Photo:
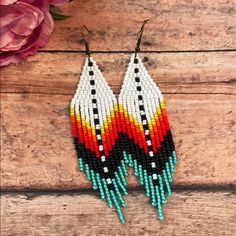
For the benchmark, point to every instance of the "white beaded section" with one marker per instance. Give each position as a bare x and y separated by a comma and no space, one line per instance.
149,90
104,96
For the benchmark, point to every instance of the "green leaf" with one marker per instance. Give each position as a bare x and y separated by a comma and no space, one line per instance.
56,13
57,16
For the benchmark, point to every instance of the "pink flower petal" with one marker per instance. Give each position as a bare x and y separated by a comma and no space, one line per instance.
40,37
25,26
7,2
6,37
8,58
15,44
41,4
9,14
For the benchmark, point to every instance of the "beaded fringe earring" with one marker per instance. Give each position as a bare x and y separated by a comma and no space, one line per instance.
149,146
96,128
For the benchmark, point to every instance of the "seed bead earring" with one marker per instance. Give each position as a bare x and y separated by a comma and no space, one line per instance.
96,129
149,146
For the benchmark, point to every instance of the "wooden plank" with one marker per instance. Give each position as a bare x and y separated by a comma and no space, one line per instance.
58,73
174,25
195,213
37,148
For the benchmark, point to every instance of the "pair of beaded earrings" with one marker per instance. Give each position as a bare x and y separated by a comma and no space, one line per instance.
110,134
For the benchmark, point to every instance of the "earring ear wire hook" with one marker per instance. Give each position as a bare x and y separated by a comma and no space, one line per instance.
137,48
86,43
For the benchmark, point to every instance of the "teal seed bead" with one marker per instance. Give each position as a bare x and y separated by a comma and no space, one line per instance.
174,156
100,186
167,183
168,172
94,180
123,180
136,172
81,165
122,188
153,194
120,214
130,160
87,172
171,165
159,208
146,183
118,193
162,192
120,179
107,193
140,174
125,157
124,168
121,174
160,213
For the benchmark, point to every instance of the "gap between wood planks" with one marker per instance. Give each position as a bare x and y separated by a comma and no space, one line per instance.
231,188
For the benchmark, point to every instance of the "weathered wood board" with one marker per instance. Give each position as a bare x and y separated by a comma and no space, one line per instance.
190,51
174,25
187,213
58,73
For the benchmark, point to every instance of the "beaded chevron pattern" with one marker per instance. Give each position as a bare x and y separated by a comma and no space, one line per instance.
96,129
149,147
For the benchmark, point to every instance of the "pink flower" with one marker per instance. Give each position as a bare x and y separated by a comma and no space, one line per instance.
25,27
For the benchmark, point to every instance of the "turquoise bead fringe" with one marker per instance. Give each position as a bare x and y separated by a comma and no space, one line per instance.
159,208
94,182
118,209
140,169
156,193
118,193
100,186
174,157
107,193
146,183
87,172
136,171
113,197
153,194
81,165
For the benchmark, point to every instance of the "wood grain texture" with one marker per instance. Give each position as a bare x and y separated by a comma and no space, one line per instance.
38,152
43,191
58,73
174,25
195,214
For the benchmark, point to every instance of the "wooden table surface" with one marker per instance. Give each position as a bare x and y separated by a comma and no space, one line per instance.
189,48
